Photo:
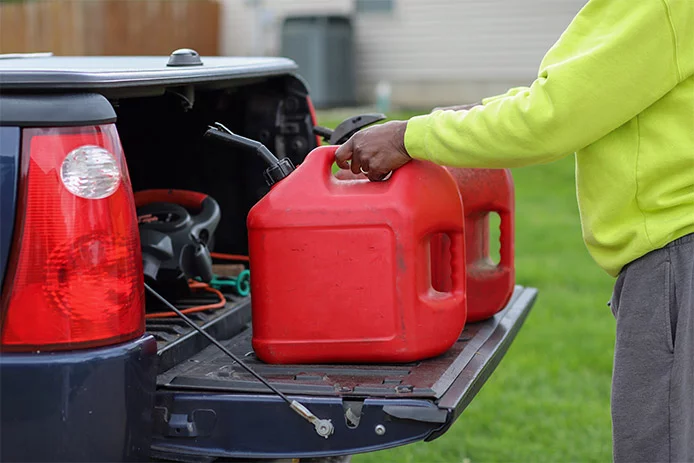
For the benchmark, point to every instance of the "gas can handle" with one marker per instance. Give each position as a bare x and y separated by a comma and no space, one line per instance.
328,160
506,251
322,159
319,163
458,262
455,298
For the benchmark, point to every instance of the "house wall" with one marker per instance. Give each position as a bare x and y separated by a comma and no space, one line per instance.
431,51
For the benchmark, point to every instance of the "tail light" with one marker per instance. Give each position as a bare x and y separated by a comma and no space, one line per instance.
75,278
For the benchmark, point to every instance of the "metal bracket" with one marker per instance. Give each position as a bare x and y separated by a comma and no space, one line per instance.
324,428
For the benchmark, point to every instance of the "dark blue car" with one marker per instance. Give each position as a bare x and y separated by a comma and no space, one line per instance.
84,374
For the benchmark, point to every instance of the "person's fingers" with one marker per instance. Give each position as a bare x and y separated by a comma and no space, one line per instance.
346,174
376,170
358,163
375,151
343,154
376,176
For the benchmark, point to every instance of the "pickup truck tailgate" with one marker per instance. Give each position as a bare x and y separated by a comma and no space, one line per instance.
208,405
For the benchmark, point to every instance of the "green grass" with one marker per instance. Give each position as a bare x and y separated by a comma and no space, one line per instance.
548,401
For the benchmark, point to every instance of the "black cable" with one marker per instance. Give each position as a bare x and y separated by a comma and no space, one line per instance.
218,344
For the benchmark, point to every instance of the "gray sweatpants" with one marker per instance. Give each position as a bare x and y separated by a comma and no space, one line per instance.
653,377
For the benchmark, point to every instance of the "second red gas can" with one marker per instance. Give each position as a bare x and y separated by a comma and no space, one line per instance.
489,286
341,270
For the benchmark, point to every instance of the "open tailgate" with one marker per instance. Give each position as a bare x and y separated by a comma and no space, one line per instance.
207,405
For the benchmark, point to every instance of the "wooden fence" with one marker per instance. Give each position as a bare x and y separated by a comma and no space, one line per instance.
109,27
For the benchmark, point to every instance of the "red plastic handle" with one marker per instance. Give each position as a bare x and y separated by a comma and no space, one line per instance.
188,199
490,288
506,251
319,163
454,297
320,160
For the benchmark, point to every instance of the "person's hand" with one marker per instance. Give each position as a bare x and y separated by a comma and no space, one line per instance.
376,151
465,107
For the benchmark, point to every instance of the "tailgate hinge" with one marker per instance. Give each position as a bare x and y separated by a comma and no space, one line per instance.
199,423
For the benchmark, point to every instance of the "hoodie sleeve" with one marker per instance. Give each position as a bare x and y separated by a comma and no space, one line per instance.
512,92
614,60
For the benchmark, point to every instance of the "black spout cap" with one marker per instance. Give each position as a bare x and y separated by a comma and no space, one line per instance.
279,171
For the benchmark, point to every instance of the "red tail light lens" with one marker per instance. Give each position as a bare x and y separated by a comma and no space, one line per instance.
76,271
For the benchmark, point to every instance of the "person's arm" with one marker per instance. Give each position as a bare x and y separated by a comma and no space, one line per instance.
464,107
467,107
512,92
615,59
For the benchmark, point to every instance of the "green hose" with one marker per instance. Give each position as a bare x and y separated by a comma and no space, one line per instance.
241,285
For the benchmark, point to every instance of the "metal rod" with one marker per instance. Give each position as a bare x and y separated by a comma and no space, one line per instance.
218,344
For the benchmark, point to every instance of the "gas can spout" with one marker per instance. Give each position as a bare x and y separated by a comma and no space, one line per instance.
277,170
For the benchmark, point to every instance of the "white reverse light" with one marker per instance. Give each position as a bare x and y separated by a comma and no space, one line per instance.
90,172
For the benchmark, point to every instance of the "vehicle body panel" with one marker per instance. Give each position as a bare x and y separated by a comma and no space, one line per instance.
9,175
88,405
111,72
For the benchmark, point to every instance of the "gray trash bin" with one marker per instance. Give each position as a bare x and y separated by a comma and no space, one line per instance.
323,48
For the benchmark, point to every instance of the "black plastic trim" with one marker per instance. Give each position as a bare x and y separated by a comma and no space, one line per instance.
423,414
61,110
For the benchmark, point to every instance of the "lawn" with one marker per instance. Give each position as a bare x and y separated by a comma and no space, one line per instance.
548,401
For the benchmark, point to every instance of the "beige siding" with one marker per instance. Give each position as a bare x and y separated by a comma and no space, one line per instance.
432,51
240,21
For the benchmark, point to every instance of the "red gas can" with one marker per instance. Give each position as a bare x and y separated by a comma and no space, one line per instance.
341,270
489,286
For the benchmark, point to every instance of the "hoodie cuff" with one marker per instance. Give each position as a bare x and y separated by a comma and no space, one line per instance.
415,137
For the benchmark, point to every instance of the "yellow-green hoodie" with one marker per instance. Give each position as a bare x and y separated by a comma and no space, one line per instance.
617,89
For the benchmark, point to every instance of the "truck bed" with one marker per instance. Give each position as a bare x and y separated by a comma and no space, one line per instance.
416,401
